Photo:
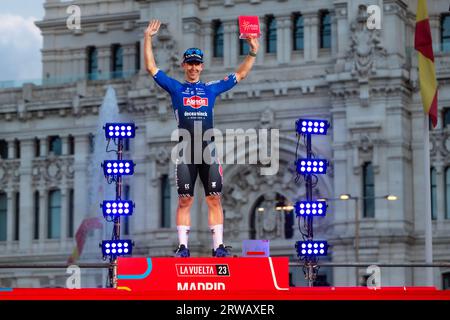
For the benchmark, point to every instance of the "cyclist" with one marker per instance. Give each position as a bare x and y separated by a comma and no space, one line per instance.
193,103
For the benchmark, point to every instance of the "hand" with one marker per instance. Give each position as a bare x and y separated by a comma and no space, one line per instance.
254,44
153,27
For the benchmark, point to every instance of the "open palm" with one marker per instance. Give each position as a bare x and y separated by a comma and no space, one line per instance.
152,28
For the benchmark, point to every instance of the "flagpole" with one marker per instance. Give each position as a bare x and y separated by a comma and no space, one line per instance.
427,198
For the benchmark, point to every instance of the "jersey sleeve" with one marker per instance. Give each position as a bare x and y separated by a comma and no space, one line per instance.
167,83
220,86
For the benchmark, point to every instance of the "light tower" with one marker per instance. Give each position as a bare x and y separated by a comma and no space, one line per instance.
308,250
113,209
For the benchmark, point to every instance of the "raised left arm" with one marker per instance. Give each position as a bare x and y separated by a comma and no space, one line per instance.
249,60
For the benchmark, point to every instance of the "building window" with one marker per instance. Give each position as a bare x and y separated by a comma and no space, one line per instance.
433,194
17,216
3,149
92,64
165,201
3,215
289,224
37,147
218,39
244,48
446,281
126,220
71,213
117,61
447,193
55,145
72,145
36,215
17,149
445,33
368,191
325,30
271,34
54,214
137,57
298,32
91,142
446,117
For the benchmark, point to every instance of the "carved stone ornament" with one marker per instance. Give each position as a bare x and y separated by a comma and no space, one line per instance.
366,53
165,50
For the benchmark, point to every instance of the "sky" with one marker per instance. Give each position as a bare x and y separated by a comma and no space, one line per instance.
20,39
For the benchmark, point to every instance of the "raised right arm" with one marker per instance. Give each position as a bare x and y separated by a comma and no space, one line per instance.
152,29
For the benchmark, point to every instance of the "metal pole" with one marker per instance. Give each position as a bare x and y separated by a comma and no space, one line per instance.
427,202
356,238
310,262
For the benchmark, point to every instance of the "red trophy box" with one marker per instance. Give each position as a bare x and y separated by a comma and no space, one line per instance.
249,27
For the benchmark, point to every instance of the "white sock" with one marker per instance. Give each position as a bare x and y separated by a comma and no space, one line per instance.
217,235
183,234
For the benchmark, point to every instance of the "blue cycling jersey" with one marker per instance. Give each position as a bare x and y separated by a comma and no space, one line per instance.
194,101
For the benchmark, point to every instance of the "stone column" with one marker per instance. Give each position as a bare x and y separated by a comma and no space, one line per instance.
64,213
191,32
262,42
43,146
43,209
104,62
80,178
342,26
11,148
284,39
10,216
207,44
152,200
440,193
229,44
65,145
26,215
129,52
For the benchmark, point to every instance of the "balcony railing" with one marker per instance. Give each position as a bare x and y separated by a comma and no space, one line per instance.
68,79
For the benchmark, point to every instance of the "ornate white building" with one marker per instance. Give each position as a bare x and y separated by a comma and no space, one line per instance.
317,59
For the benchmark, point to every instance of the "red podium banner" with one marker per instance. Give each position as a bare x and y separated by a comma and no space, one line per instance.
203,274
249,27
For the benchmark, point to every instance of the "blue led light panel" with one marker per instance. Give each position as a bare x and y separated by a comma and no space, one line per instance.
311,126
311,166
117,208
117,247
118,167
311,248
120,130
310,208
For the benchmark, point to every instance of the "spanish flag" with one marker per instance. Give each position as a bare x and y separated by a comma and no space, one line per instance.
87,225
427,73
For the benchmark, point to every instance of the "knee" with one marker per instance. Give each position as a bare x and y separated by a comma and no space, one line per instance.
213,201
185,202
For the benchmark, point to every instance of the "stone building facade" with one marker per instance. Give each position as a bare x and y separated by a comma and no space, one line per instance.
317,59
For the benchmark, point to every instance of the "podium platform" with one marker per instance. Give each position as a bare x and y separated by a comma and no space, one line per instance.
204,274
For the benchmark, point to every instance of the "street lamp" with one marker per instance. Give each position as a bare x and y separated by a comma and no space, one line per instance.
347,196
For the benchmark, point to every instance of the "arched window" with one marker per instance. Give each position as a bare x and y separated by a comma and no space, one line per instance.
54,215
368,191
217,39
298,32
271,34
325,30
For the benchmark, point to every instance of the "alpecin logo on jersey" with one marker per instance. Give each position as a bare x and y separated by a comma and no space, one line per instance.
195,102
